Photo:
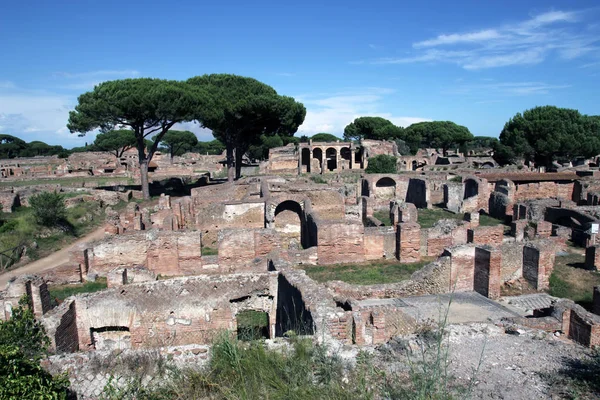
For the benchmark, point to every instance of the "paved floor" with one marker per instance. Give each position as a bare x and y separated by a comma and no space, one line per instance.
464,307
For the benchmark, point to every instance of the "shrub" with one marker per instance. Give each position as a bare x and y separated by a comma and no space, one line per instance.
23,343
317,179
48,209
382,164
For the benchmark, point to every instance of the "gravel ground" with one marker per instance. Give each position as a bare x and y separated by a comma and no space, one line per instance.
513,366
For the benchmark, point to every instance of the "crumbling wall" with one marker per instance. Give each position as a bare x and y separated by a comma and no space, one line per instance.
178,311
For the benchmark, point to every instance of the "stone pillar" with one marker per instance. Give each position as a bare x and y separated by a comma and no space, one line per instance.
538,263
592,257
453,193
596,301
408,242
164,202
473,218
517,229
138,225
486,278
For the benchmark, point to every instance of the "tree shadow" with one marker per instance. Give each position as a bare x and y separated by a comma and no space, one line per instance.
578,377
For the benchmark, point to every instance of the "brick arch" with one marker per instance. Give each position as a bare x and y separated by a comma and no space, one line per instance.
301,206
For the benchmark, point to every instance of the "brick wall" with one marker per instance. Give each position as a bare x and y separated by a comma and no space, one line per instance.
462,268
486,235
380,242
409,242
340,243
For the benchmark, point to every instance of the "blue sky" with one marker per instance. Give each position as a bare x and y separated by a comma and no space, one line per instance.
473,62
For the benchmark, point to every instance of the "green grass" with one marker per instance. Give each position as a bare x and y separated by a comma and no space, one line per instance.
365,274
303,371
61,292
71,181
487,220
20,228
209,251
383,216
570,280
428,217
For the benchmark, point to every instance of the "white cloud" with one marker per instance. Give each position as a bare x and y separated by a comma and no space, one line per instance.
454,38
332,112
505,89
560,33
286,74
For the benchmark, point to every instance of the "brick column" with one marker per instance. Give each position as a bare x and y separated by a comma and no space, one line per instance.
538,263
408,242
592,257
486,277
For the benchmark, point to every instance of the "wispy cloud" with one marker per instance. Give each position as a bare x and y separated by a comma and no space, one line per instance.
505,89
285,74
331,112
560,33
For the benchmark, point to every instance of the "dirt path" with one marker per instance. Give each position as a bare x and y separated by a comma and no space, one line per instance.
52,261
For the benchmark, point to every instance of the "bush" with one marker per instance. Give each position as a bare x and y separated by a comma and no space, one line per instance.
48,209
382,164
23,344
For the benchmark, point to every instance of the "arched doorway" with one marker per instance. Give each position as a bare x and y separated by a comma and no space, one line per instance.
331,156
305,160
289,221
471,188
385,188
318,155
346,157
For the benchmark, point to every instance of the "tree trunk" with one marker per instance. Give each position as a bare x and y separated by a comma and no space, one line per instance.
144,178
230,170
238,162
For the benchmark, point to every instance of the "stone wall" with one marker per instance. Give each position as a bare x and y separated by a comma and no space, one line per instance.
340,242
380,242
33,287
177,311
162,252
486,235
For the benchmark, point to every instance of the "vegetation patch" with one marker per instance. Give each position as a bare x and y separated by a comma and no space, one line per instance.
209,251
570,280
488,220
428,217
61,292
383,216
365,274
